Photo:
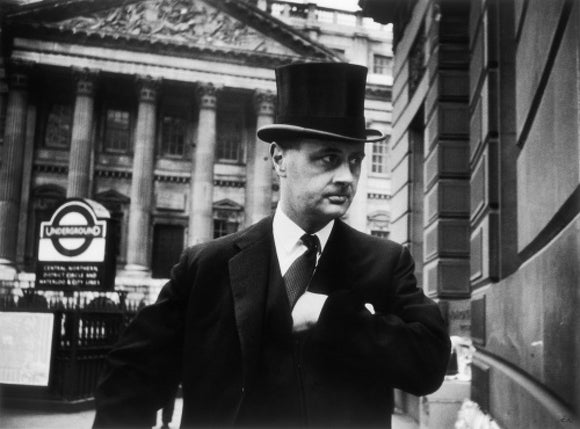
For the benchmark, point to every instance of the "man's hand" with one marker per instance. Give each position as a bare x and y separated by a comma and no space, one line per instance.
307,310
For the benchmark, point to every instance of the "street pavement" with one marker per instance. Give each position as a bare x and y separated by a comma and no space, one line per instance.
27,419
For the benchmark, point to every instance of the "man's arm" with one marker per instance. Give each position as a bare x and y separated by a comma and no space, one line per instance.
405,342
143,369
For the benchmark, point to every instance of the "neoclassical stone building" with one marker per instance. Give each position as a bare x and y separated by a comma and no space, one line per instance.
149,107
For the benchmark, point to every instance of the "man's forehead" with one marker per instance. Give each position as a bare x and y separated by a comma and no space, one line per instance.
317,144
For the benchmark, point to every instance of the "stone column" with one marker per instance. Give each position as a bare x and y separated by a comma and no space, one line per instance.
259,167
138,240
11,170
81,147
201,216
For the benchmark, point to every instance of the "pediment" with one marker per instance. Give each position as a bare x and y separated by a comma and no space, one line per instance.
227,204
205,24
379,217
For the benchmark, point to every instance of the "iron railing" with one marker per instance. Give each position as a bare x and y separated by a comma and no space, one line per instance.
86,326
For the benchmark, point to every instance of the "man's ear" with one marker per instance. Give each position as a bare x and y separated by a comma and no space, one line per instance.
278,159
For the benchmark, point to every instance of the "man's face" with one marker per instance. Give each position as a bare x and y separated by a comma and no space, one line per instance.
318,179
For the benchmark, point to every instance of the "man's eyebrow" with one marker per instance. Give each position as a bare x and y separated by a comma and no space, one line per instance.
327,149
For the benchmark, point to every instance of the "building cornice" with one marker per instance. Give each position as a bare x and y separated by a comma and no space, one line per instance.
182,50
379,92
130,62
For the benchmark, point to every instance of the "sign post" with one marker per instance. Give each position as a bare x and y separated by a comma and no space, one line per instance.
50,351
76,249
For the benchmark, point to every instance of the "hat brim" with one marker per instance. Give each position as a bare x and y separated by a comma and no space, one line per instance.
277,132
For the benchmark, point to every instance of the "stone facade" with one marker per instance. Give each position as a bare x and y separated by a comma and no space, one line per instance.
151,108
490,132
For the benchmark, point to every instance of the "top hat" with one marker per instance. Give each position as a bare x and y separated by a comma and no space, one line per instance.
324,100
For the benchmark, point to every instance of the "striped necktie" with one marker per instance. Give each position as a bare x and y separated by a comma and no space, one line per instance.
300,272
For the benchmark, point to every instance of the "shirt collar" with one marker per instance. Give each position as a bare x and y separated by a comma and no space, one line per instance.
287,233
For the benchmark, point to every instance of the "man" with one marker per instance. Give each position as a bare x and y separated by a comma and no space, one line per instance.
299,320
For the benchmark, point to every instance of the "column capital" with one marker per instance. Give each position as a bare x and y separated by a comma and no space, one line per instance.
148,87
85,80
264,102
206,95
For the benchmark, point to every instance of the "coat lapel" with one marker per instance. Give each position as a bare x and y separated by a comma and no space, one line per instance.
249,279
334,268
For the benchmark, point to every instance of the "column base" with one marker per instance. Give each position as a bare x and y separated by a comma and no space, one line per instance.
8,270
135,271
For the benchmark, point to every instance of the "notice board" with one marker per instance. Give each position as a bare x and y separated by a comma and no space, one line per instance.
25,348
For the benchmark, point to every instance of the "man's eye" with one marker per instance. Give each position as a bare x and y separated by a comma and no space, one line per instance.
330,159
356,161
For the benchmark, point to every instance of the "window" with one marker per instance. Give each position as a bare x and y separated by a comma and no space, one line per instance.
379,157
173,130
380,234
381,64
299,11
117,130
378,223
230,135
58,126
227,217
222,227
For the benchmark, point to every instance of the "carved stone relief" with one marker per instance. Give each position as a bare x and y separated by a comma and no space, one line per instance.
175,21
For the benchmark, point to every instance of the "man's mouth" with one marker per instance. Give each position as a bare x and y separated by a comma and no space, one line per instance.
338,198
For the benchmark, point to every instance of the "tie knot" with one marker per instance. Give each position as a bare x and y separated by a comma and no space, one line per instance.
311,242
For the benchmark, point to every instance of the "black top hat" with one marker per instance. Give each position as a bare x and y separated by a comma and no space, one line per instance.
320,100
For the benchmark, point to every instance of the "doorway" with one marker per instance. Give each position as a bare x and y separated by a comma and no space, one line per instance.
167,247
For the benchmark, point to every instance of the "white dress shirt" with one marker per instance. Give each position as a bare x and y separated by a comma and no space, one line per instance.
287,239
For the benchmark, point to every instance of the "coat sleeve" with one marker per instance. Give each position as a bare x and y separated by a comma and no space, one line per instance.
142,371
405,343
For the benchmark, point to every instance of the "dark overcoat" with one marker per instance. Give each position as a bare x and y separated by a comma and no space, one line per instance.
205,330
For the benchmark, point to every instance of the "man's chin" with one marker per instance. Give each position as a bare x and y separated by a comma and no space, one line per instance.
334,211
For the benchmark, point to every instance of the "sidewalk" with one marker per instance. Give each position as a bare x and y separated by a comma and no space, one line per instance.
26,419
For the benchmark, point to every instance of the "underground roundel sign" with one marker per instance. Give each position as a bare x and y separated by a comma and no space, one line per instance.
76,233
